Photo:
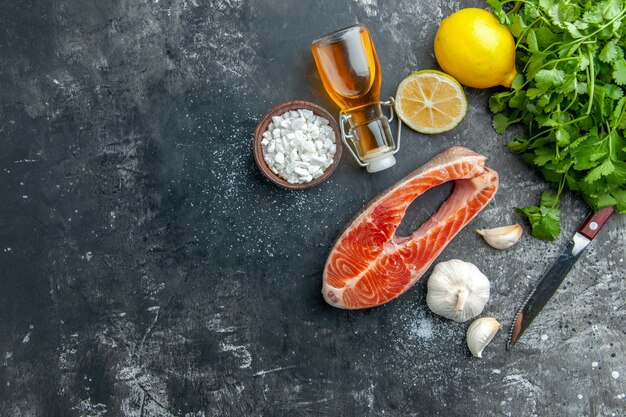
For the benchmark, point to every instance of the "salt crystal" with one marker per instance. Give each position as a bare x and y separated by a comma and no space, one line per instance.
322,121
276,120
301,171
313,169
279,158
318,160
297,124
309,146
286,124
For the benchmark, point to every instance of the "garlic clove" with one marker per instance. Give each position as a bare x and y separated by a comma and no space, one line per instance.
480,333
502,237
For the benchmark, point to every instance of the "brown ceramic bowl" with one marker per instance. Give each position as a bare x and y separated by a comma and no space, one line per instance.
262,127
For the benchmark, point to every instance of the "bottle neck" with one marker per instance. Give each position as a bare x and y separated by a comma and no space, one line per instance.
364,114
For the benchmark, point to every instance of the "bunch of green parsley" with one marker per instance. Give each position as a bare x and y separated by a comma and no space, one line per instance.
569,95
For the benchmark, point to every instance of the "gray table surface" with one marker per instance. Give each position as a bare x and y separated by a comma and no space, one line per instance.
148,269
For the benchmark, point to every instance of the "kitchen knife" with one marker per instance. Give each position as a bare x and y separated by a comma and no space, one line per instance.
551,280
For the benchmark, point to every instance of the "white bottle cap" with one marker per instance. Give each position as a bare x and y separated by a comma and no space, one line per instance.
380,164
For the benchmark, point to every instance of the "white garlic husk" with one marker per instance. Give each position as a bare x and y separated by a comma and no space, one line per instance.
457,290
480,333
502,237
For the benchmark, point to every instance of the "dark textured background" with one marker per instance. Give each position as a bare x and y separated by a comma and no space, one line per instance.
147,269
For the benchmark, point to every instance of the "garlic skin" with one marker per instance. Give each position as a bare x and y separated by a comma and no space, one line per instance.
457,290
502,237
480,333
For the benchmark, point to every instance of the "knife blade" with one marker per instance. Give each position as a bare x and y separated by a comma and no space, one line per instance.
552,279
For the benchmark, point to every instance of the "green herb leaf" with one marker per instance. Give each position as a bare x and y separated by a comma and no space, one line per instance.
618,176
604,169
545,37
620,200
497,102
531,41
573,30
619,73
500,122
610,51
613,91
612,8
549,78
545,219
518,82
517,24
496,5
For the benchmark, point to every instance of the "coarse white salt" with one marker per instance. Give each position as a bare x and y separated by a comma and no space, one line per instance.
299,146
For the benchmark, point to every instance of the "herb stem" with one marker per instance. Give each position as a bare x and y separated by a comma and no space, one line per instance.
550,129
591,77
556,61
525,33
515,8
618,119
571,103
560,190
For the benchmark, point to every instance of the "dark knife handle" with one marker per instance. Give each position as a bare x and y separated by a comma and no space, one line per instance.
594,222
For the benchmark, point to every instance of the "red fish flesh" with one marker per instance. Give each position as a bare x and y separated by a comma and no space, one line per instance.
370,265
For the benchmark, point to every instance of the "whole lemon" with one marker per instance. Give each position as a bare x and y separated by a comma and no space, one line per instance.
473,47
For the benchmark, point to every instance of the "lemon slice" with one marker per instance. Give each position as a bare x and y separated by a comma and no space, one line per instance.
430,102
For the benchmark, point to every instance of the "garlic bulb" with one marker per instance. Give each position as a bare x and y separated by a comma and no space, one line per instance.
457,290
502,237
480,333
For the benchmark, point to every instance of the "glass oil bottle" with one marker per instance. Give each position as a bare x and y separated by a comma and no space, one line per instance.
350,71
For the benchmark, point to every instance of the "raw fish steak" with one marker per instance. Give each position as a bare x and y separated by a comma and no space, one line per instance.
370,265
